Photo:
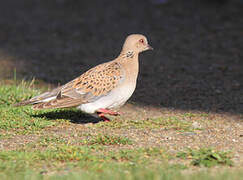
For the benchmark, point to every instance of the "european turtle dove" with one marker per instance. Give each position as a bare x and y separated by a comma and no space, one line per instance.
100,89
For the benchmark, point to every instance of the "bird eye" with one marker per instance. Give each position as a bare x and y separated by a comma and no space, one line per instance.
141,41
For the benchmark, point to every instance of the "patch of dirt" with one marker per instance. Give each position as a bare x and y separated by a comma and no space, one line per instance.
14,142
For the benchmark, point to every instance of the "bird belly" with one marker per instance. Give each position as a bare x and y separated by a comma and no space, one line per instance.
114,99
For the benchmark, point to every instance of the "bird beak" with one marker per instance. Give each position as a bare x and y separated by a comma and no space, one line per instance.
149,47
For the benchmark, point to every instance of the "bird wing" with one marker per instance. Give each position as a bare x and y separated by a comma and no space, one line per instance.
88,87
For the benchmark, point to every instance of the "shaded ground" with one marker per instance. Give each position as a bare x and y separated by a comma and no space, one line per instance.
196,65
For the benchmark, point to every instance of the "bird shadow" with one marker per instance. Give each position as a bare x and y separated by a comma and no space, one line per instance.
70,115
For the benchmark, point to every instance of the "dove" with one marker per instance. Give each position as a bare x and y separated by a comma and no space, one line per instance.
100,89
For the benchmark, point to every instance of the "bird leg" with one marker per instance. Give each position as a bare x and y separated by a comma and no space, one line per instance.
102,116
107,111
101,113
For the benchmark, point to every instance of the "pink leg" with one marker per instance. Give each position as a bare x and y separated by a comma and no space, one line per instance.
107,111
102,116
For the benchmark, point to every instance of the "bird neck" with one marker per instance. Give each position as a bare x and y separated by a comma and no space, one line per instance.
128,54
129,60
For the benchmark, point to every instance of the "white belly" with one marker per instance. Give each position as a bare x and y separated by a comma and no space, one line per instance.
114,99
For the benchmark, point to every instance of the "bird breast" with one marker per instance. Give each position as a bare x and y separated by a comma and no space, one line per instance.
114,99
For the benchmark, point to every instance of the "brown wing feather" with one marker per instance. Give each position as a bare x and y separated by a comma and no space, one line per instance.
99,80
58,103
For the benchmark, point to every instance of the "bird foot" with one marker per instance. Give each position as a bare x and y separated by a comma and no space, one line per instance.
102,116
107,111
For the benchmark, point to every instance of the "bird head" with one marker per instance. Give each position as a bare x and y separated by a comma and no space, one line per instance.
136,43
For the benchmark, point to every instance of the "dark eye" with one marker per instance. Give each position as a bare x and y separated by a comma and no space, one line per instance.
141,41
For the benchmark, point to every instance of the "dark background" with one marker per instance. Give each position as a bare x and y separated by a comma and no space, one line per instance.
196,63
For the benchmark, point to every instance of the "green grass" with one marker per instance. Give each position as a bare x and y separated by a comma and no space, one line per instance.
108,140
10,94
69,161
81,158
93,154
207,157
69,153
19,119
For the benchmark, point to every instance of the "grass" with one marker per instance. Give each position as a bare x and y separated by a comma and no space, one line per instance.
58,152
207,157
108,140
12,93
70,161
19,119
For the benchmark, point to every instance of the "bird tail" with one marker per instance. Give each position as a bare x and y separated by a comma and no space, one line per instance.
34,100
23,103
45,97
50,100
